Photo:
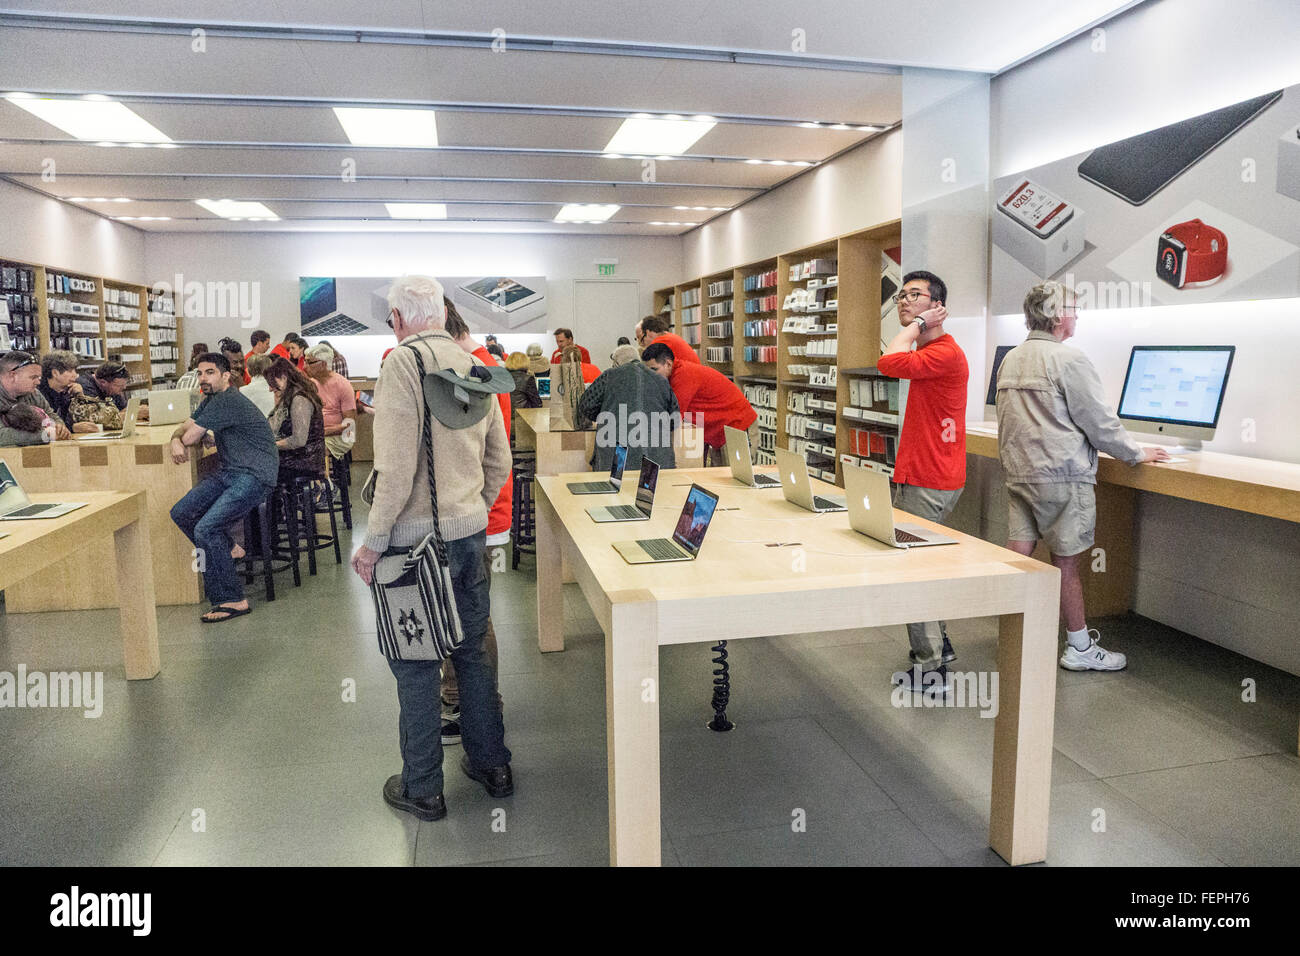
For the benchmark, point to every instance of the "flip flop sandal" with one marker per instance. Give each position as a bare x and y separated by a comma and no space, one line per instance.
230,612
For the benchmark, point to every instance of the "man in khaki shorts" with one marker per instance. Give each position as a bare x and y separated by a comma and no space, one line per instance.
1052,420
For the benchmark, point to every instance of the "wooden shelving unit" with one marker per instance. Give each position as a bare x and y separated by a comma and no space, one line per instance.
718,319
125,332
687,313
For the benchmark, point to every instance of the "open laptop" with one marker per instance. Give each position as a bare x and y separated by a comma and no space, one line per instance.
797,486
604,487
543,386
687,537
16,506
871,512
128,425
645,498
738,457
169,406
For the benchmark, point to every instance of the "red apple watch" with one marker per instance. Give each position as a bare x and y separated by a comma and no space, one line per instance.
1191,252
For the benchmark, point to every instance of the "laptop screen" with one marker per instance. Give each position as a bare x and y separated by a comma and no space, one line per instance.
645,485
998,356
620,462
694,522
12,497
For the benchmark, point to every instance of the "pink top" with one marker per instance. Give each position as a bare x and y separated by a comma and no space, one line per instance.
336,397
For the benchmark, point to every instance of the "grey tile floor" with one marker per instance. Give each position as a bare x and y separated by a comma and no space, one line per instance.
244,751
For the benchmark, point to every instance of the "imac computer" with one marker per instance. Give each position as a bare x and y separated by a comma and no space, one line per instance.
991,400
1176,391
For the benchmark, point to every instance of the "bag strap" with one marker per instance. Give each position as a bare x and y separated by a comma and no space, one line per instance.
426,437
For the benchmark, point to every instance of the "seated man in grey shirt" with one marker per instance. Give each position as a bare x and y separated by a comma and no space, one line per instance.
1052,420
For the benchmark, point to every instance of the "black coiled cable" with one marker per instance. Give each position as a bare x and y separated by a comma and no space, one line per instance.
721,689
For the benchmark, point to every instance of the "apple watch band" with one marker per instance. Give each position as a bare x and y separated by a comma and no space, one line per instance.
1191,251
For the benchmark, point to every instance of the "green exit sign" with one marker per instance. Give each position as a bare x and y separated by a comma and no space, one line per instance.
606,268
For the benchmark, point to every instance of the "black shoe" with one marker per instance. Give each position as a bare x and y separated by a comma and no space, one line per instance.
497,781
949,655
923,682
427,808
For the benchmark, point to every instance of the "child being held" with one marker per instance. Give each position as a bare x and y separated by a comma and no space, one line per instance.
30,418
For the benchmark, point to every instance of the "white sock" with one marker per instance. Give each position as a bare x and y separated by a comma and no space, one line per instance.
1079,639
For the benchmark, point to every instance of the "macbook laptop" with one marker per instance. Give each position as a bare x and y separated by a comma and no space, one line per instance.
871,512
16,506
128,425
797,486
645,498
738,457
604,487
169,406
687,538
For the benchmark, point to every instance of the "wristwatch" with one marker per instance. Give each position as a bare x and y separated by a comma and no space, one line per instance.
1191,252
921,322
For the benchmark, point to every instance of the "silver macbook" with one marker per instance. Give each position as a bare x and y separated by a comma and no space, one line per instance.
645,498
16,506
871,512
169,406
128,425
604,487
687,537
797,486
739,458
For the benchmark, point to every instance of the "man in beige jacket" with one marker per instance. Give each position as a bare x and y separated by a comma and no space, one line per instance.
471,465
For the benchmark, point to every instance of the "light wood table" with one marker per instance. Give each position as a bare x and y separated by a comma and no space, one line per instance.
139,463
560,452
31,548
835,579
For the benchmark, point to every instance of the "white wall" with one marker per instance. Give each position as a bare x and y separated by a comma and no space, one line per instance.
39,230
1199,567
276,260
859,189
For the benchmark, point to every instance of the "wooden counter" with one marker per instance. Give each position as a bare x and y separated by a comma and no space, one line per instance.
562,452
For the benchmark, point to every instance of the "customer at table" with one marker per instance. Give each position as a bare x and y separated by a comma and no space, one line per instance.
657,328
246,473
338,400
108,384
471,464
59,385
537,362
260,342
1052,421
525,394
296,422
257,391
31,419
234,354
707,393
631,405
292,350
340,364
198,349
20,374
564,340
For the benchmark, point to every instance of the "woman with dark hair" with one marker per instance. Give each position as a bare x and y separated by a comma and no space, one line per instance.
200,348
296,421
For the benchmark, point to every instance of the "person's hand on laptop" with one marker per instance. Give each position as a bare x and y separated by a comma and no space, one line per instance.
61,432
142,414
84,428
180,454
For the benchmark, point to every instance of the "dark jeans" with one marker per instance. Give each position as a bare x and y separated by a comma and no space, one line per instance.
450,688
420,722
205,516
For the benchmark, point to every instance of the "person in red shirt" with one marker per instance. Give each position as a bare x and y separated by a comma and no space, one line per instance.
498,535
261,344
930,468
709,393
564,340
654,328
589,372
292,350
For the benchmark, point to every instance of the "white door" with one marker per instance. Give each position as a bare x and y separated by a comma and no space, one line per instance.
603,310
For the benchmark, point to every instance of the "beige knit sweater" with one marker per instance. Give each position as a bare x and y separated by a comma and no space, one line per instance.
471,464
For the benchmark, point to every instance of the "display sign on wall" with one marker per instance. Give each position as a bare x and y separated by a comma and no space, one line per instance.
1203,210
359,306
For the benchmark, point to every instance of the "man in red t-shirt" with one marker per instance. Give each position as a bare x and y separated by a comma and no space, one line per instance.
564,340
292,350
654,328
709,393
930,468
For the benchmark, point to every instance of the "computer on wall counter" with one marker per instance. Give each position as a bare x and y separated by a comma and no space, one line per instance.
1176,391
991,399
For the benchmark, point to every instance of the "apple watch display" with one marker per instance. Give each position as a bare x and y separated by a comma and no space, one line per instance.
1171,261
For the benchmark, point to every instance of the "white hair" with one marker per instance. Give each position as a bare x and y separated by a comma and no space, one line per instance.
419,300
1044,305
322,352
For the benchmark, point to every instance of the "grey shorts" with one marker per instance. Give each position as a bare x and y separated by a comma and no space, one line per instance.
1063,514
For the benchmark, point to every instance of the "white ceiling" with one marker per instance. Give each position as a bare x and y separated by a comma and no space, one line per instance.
520,130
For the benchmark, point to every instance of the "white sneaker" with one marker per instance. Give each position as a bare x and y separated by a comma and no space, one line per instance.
1095,658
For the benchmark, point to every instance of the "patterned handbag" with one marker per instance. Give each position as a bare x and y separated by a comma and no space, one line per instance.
415,605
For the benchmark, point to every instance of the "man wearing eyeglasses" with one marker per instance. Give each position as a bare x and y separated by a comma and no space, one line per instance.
20,375
930,467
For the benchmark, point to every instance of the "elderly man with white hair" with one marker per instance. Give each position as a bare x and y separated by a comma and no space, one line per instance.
337,399
471,464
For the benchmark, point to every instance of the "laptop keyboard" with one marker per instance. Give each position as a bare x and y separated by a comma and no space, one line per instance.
826,504
660,548
30,510
767,480
337,325
906,537
624,511
591,487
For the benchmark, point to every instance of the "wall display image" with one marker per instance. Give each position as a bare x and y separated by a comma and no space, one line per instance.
359,306
1202,210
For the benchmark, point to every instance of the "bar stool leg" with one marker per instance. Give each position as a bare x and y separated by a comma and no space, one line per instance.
334,527
309,525
290,506
263,528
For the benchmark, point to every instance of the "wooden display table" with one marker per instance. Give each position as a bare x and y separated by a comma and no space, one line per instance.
736,590
140,463
32,548
560,452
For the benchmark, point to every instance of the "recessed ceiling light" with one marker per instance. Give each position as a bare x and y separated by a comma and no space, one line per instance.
721,208
644,134
700,208
801,162
417,210
367,126
754,162
235,210
870,129
777,162
92,119
811,125
702,118
840,126
18,96
613,156
586,212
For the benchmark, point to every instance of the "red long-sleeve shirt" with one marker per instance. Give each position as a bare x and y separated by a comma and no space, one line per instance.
704,390
932,442
682,351
500,512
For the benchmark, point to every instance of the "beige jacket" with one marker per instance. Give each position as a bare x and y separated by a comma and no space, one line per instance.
471,464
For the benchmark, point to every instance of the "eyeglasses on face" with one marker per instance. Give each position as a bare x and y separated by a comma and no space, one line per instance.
911,296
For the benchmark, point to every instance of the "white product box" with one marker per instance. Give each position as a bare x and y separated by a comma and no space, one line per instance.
1042,257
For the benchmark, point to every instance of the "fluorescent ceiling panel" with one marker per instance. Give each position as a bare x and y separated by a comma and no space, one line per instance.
96,119
236,209
367,126
417,210
659,137
586,212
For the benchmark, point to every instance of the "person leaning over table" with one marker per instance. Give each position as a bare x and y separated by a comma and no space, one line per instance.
1052,420
338,400
20,376
247,464
258,391
631,406
59,385
706,392
525,394
108,384
296,422
471,464
656,328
